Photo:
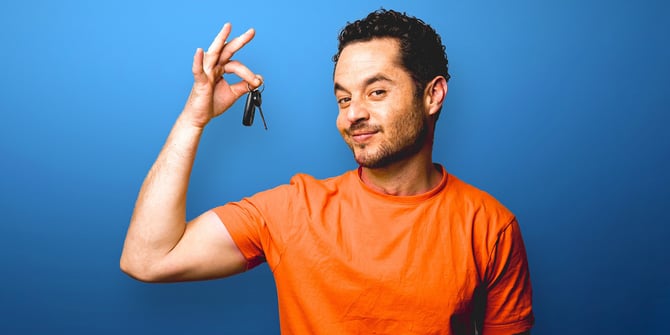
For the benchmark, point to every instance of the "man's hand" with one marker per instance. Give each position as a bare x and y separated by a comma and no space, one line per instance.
159,245
211,94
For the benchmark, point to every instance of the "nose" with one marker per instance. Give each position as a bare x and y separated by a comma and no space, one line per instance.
357,111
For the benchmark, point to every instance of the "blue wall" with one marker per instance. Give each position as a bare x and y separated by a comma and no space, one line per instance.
559,109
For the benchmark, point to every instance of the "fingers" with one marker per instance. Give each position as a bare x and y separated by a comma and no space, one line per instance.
219,41
241,88
211,65
220,51
236,44
243,72
197,69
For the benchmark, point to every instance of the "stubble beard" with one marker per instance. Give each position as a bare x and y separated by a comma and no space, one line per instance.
407,135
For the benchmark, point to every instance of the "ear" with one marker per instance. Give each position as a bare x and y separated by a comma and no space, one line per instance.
434,94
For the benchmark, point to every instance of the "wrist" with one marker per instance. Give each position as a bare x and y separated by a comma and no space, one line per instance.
187,119
186,130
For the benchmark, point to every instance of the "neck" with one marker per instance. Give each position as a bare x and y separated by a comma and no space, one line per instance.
411,177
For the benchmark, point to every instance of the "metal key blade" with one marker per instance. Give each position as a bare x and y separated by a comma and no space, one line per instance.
262,117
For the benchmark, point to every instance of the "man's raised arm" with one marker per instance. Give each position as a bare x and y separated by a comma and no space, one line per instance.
159,245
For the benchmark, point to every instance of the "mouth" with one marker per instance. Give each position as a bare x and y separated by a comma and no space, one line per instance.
362,136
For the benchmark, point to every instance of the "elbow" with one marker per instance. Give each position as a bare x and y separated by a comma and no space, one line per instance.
131,270
138,270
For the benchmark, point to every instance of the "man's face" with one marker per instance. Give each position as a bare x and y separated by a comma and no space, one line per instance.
380,118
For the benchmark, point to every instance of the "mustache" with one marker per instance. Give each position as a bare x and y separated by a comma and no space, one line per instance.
362,126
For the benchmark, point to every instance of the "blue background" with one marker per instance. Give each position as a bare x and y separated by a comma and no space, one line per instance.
557,108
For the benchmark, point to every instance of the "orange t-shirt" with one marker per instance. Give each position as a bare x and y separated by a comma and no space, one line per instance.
349,260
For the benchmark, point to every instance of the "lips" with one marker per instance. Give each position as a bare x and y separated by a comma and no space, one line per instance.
362,135
361,132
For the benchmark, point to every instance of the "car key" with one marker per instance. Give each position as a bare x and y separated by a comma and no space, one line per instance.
253,100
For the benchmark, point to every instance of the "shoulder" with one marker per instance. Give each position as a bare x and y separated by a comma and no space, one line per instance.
473,197
306,182
487,216
302,187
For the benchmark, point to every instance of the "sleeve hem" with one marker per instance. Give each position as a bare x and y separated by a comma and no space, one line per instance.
250,253
508,329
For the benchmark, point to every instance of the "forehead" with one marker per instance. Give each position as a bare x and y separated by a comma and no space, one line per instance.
362,59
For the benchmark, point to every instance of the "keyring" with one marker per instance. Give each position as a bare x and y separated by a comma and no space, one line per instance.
262,86
253,100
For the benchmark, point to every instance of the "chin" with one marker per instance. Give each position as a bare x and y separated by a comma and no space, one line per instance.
372,162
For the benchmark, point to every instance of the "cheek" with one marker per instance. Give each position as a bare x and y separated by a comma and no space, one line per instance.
340,123
408,121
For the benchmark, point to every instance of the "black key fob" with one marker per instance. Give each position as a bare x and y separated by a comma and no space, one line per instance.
249,110
253,100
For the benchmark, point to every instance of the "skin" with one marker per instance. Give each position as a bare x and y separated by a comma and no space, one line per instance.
389,130
159,245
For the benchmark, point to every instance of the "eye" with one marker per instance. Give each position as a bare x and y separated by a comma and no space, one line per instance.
343,101
378,93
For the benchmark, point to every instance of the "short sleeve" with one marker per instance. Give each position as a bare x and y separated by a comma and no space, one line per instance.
261,224
508,288
246,227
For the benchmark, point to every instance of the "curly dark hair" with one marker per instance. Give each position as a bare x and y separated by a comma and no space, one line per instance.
422,52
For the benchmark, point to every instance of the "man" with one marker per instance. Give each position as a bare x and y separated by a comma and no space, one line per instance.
398,246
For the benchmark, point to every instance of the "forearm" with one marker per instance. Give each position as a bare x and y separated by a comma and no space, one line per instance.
158,244
159,219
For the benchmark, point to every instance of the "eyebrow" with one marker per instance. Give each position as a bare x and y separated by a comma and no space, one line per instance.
371,80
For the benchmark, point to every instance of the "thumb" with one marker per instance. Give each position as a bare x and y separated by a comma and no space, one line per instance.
241,88
199,74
